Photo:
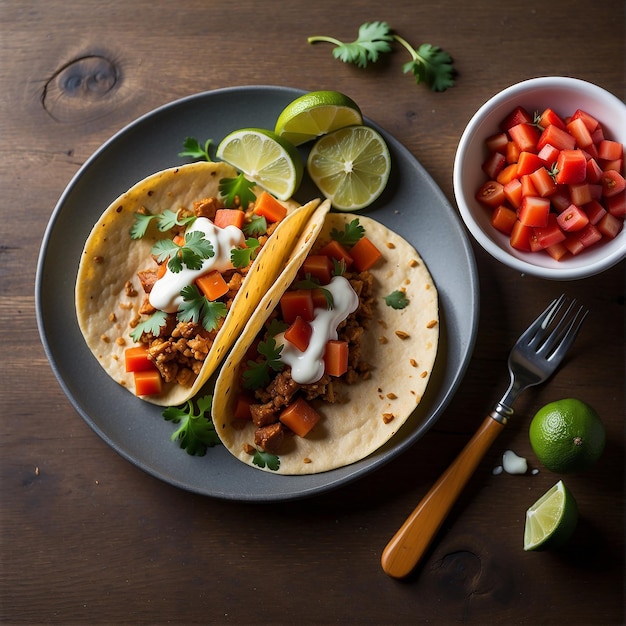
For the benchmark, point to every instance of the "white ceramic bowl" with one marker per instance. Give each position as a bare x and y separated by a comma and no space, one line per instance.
564,95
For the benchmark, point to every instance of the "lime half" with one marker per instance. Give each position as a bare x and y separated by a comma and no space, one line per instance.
551,521
264,158
315,114
350,166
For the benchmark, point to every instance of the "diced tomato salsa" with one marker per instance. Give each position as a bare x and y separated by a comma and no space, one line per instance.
554,184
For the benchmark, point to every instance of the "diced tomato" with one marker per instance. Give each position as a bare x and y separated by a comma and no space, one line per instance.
136,359
573,243
319,299
336,358
534,211
491,194
610,226
336,251
550,234
494,164
242,408
300,417
560,199
525,137
528,187
590,122
616,205
595,211
519,115
548,155
297,302
364,254
557,251
598,135
508,174
571,167
148,383
503,219
549,117
228,217
589,235
543,182
610,150
578,129
615,164
573,218
557,137
512,152
612,183
497,143
580,193
299,334
528,162
212,285
520,237
269,207
594,171
318,266
513,193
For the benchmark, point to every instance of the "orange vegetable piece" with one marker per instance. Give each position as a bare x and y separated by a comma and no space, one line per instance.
136,359
503,219
296,303
269,207
299,334
300,417
318,266
228,217
212,285
336,357
148,383
336,251
365,254
179,240
242,408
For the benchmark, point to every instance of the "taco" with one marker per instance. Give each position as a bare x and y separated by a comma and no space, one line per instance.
169,276
337,356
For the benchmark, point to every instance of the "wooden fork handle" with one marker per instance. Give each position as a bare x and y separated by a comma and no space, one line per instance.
409,544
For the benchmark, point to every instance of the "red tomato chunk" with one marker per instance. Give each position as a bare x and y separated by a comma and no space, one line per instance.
554,184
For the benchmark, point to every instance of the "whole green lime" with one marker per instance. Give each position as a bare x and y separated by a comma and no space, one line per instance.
567,436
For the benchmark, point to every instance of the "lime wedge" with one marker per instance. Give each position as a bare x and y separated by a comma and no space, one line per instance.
315,114
551,521
350,166
264,158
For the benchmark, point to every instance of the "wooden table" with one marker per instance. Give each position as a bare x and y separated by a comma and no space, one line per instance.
87,538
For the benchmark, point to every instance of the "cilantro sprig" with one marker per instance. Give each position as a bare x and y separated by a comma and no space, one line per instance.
429,64
265,459
351,233
191,253
197,308
256,226
196,431
164,221
310,282
239,187
151,325
194,149
257,374
242,257
397,299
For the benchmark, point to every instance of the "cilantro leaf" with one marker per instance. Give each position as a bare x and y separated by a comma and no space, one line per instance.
276,327
313,283
397,300
166,220
193,149
257,374
192,253
256,226
152,325
373,39
196,308
242,257
239,187
140,226
263,459
430,65
196,432
351,233
339,267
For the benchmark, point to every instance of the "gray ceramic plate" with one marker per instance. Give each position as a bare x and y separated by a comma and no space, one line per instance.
412,205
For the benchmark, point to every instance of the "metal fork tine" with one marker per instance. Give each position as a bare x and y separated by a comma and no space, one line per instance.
557,333
570,334
532,332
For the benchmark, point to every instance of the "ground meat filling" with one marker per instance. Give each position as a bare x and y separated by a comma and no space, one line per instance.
282,389
180,348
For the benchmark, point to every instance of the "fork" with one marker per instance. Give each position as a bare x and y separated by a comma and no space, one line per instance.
533,359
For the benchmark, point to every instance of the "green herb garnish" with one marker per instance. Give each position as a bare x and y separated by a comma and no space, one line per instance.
256,226
257,374
196,432
239,187
192,148
262,459
152,325
339,267
351,233
197,308
429,64
397,300
191,253
166,220
242,257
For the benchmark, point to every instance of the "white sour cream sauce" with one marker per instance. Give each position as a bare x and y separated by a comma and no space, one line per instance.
308,367
165,294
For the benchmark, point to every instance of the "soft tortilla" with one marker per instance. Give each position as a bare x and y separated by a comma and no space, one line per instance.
403,364
111,260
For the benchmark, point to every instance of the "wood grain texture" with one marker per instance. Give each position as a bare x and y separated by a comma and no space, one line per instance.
89,538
